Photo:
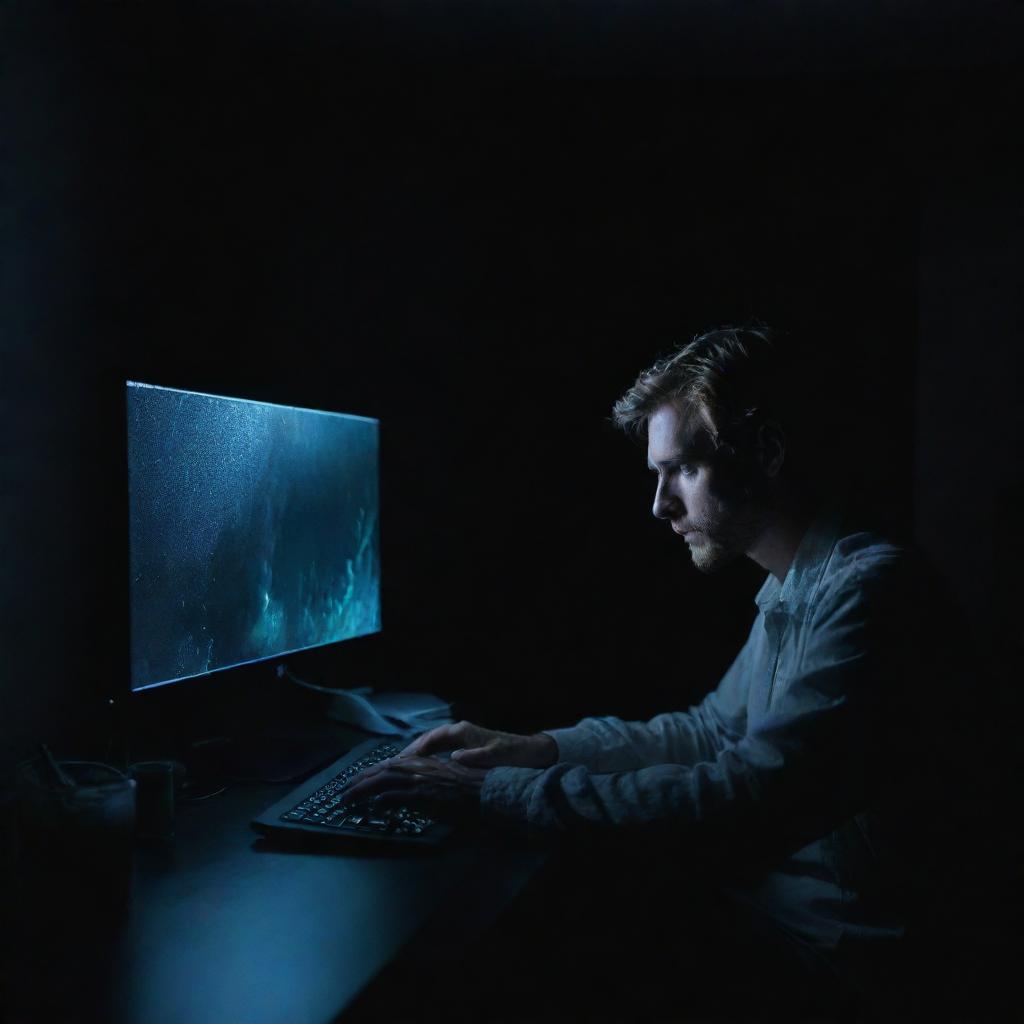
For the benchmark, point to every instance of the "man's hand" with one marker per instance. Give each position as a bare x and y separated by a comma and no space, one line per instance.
449,788
441,787
476,747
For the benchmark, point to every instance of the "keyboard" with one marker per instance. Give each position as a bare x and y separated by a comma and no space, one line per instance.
316,808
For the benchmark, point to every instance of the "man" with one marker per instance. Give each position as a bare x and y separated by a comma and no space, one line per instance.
820,753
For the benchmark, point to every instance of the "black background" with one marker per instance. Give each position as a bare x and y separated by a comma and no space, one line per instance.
478,222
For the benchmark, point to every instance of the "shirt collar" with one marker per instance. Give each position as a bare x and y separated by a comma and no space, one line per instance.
808,564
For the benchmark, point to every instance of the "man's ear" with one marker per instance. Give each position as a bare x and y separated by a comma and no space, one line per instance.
770,447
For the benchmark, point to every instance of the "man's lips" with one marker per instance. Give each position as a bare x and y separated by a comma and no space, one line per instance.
680,530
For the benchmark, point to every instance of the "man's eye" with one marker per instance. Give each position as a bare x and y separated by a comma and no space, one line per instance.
686,468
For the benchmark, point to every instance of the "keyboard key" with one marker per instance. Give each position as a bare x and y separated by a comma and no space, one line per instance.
328,807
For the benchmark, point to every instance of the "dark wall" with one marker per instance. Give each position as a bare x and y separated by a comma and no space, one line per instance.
969,435
479,238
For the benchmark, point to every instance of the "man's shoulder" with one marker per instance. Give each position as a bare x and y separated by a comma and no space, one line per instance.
869,566
867,551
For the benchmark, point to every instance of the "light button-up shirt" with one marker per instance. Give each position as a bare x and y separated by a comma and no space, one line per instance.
830,715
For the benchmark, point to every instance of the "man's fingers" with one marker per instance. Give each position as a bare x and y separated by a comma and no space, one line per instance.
368,775
421,743
479,757
380,782
444,737
403,770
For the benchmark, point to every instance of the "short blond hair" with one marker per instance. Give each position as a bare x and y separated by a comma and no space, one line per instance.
732,373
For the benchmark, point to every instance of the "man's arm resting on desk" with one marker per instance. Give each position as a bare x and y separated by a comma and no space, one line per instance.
807,766
608,744
598,743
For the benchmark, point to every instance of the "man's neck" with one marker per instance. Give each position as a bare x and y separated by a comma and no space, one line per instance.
777,544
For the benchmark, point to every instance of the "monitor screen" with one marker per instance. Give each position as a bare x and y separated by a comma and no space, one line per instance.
253,531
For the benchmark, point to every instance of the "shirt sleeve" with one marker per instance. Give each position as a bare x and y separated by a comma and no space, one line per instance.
798,773
679,737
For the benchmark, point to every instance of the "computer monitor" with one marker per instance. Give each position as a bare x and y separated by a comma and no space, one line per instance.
253,531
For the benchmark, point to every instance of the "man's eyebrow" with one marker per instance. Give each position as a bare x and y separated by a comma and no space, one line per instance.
685,455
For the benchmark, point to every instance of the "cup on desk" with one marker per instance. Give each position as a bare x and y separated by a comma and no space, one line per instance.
76,829
154,802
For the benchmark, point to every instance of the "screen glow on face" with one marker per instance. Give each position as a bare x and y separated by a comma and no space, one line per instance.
253,531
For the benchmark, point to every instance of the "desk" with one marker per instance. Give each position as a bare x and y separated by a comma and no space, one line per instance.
221,926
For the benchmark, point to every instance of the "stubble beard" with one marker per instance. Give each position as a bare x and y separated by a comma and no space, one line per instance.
727,532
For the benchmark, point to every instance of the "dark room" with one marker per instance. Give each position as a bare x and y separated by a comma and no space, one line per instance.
646,715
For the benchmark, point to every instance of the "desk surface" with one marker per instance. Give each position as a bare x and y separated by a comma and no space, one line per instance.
221,925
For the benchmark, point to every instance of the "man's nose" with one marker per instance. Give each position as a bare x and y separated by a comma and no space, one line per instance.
666,504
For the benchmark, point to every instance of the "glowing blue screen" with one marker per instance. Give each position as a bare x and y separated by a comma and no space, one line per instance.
253,531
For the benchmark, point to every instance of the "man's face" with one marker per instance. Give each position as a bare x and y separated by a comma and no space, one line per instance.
718,527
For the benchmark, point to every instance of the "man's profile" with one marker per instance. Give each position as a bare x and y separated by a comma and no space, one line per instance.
806,759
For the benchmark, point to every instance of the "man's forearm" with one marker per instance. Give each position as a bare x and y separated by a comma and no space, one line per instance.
613,745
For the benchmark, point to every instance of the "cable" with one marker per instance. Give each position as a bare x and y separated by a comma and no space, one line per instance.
204,796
